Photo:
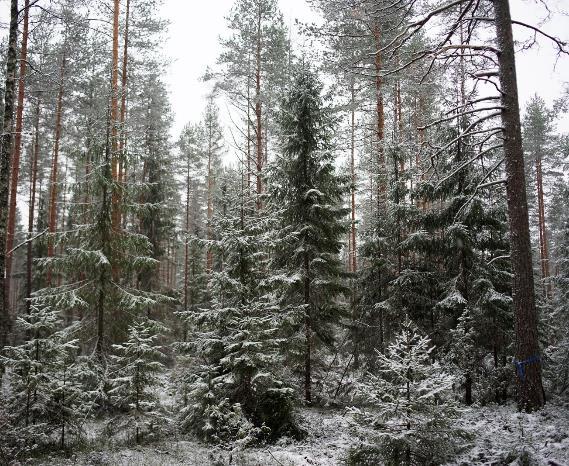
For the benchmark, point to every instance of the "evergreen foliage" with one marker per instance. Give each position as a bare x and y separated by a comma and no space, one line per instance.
413,406
46,402
311,280
135,368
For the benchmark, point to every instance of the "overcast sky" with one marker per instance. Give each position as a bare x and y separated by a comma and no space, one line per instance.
193,44
196,26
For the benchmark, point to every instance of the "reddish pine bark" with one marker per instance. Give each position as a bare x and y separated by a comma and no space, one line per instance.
380,117
31,208
15,172
124,82
543,247
52,223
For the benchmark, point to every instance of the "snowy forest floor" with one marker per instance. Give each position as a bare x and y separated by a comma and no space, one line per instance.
501,436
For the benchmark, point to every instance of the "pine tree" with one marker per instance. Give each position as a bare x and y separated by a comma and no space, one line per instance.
543,160
253,73
556,322
312,219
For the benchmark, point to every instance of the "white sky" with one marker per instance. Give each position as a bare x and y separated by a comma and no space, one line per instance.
196,26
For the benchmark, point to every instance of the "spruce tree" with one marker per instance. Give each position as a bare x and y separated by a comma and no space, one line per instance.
46,399
312,221
233,390
413,405
135,370
92,250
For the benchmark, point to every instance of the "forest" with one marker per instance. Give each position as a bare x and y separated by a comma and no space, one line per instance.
355,253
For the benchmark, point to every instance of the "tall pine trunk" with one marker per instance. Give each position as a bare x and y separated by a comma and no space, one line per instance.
5,155
31,209
380,122
543,247
258,112
353,258
115,118
210,185
15,168
52,224
186,246
124,83
352,249
530,389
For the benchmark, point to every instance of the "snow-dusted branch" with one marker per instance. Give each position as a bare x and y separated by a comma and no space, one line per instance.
29,240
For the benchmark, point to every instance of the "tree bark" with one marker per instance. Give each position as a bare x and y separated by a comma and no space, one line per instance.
186,246
210,185
380,117
15,168
31,210
124,83
115,216
543,247
530,389
52,225
352,249
354,267
5,155
308,334
258,113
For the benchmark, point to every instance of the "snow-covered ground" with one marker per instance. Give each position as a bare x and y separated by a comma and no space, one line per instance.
501,436
504,436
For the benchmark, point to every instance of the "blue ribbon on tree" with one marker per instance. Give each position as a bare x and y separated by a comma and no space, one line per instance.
520,365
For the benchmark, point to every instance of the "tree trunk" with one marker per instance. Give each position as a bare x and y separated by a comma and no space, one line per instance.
186,247
52,225
115,118
308,334
249,155
15,168
258,113
543,247
380,117
353,175
5,155
352,259
124,82
210,184
100,347
31,210
530,389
